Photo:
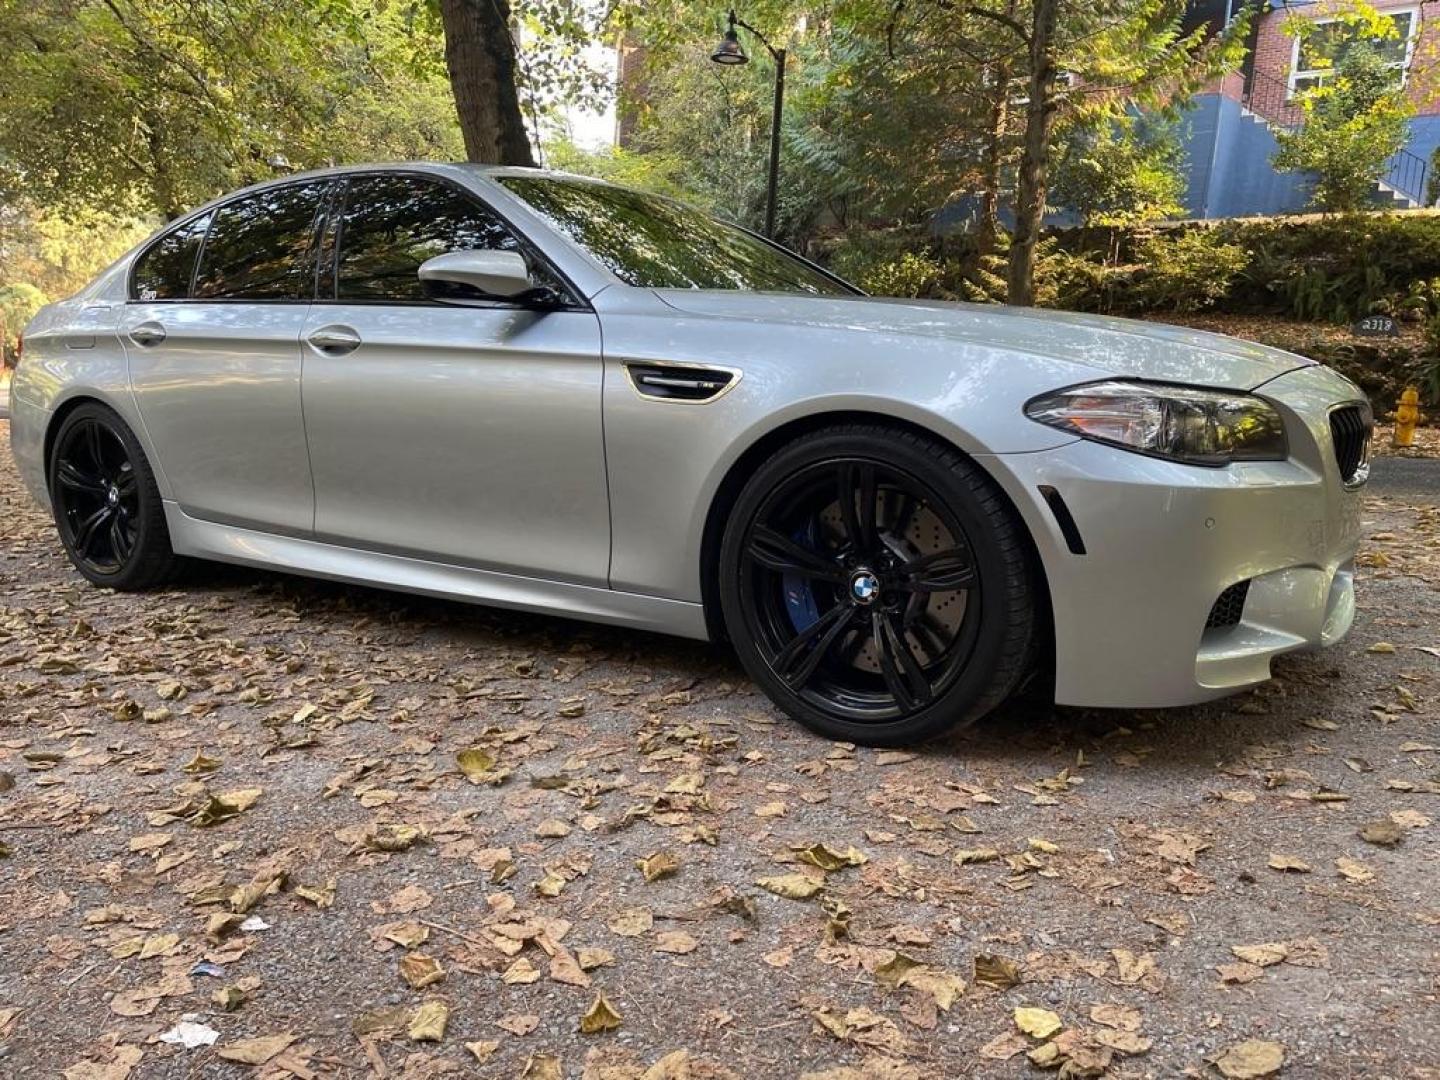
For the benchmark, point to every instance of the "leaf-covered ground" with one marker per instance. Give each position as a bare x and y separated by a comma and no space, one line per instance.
319,831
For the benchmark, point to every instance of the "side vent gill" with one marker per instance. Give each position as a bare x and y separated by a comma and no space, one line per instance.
664,382
1066,520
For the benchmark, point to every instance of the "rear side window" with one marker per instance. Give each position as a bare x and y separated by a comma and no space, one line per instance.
392,224
259,246
164,271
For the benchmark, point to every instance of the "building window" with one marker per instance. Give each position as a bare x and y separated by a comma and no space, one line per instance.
1318,53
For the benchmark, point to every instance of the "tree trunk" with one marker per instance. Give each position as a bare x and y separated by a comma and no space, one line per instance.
480,56
1035,158
994,153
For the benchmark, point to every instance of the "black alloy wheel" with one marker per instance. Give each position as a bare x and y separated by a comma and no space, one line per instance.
875,585
106,503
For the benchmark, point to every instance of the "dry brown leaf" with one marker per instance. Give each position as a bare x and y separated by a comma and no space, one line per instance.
256,1051
140,1002
420,971
1263,955
675,941
1251,1059
428,1023
996,971
542,1067
600,1017
1383,833
975,855
1354,870
119,1062
483,1049
1291,864
631,922
1037,1023
1004,1046
519,1023
564,969
830,860
661,864
791,886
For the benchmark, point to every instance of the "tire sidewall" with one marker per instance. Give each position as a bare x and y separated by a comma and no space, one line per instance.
956,704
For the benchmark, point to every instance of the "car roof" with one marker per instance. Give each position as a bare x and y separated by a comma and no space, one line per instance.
439,168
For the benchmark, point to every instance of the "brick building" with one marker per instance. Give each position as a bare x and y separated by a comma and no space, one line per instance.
1229,135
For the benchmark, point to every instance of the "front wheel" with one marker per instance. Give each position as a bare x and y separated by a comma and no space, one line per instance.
107,504
876,585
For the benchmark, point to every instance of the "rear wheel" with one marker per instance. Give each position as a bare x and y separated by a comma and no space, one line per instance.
106,502
876,586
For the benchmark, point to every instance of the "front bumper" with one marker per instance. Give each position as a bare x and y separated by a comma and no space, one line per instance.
1162,542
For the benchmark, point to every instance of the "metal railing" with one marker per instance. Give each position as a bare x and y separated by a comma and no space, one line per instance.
1272,100
1409,174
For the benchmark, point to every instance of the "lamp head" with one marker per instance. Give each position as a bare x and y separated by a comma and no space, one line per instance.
729,51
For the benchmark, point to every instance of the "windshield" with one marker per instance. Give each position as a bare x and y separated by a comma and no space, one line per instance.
657,243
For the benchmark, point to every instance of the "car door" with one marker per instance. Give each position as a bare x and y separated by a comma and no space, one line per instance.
467,431
215,359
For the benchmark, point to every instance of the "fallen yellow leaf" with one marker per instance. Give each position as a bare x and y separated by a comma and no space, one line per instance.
601,1016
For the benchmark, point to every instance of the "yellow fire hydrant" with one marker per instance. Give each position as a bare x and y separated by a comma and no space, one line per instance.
1407,415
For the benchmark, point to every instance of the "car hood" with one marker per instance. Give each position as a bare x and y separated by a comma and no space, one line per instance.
1108,346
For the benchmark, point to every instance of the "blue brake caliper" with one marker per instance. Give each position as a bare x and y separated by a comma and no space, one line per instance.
799,592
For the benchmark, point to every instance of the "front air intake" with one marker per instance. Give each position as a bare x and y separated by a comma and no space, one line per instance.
1228,607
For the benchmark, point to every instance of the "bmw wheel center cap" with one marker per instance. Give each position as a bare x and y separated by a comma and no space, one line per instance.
864,587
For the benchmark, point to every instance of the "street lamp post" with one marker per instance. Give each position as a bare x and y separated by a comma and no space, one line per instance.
729,52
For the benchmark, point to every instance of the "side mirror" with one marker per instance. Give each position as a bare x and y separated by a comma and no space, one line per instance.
494,273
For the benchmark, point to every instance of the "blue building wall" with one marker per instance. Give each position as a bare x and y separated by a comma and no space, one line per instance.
1228,171
1424,137
1228,164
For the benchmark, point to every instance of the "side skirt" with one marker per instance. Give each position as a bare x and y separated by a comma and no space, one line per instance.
248,547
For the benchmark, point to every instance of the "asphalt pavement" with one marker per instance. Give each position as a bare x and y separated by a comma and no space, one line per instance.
1406,477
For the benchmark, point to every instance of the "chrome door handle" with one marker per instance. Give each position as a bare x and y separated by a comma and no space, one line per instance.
147,333
334,340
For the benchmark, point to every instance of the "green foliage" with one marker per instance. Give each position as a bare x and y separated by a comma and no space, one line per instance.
894,111
1187,271
1082,282
911,275
45,256
1119,172
659,172
1334,268
156,105
18,303
1422,302
1354,124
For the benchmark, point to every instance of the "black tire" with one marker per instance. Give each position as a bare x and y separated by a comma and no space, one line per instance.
887,632
106,503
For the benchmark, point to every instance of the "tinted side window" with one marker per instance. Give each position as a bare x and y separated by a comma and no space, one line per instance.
392,224
259,246
164,271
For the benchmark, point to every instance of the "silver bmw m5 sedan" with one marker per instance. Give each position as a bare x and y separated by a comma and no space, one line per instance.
540,391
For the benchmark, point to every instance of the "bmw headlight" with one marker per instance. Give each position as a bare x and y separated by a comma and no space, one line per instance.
1200,427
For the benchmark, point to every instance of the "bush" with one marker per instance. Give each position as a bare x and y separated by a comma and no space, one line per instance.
1186,271
1080,282
1332,269
911,275
889,262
